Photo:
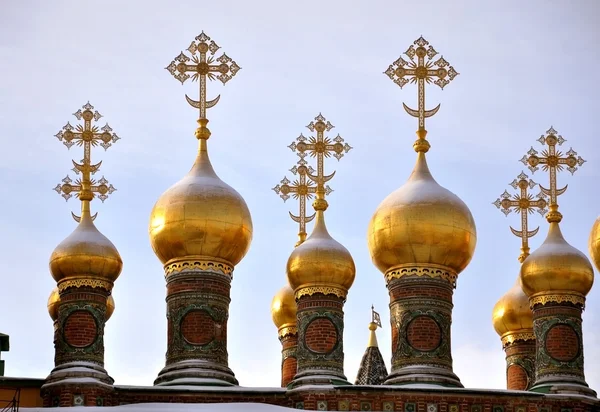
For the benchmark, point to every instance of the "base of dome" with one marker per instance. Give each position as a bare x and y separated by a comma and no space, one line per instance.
78,372
318,377
423,374
564,385
197,373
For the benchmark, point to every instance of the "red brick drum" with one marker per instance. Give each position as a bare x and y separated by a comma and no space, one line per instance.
320,353
80,325
559,350
289,360
520,364
421,314
197,314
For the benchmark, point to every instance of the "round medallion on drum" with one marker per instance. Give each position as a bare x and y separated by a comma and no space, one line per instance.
198,327
562,343
424,334
321,335
80,330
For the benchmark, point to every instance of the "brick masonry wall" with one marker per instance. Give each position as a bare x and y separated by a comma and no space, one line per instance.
80,329
520,364
289,359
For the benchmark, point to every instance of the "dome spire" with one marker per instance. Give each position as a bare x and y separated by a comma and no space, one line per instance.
85,266
421,71
557,276
512,318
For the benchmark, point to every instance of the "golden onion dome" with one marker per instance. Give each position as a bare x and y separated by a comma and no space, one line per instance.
86,253
422,223
594,243
201,217
321,260
110,307
512,313
53,304
556,267
283,308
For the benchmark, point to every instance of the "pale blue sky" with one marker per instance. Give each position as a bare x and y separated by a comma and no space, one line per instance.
524,65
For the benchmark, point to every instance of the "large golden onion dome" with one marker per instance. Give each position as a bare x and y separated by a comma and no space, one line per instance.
54,303
283,308
86,254
321,261
594,243
201,217
422,223
556,267
512,315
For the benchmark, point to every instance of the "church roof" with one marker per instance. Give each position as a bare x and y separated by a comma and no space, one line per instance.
372,370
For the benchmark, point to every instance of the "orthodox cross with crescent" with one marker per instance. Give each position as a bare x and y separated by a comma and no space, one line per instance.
202,64
301,189
524,204
552,161
320,147
423,70
88,136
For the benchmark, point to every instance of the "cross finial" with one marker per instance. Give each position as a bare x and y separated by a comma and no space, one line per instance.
423,70
522,203
552,161
87,135
320,147
202,64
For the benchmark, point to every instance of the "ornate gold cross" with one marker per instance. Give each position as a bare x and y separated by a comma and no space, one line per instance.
421,71
87,136
524,204
552,161
320,147
301,189
203,65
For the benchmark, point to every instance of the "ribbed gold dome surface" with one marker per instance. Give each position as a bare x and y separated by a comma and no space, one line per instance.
512,313
201,216
556,266
283,307
594,243
321,260
86,253
422,223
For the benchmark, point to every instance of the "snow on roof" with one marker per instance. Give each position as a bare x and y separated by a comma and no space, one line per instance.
172,407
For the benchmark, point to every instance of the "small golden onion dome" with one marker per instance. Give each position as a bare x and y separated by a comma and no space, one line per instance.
86,253
283,308
512,313
556,267
53,303
201,217
110,307
422,223
594,243
320,260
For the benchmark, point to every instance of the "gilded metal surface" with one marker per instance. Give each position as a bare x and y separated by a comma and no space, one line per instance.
512,337
524,204
544,299
201,216
323,289
286,331
429,270
512,313
110,307
552,162
86,252
53,303
594,243
81,282
422,223
203,65
320,261
423,71
373,325
200,263
301,189
556,267
283,308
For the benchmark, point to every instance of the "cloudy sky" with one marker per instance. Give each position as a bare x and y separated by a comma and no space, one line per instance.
524,66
